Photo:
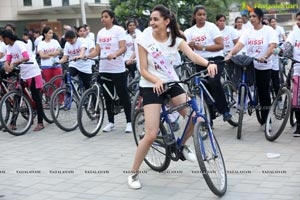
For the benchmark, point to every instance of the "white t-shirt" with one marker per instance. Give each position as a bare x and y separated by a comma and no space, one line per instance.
204,36
37,41
49,47
293,38
257,42
91,36
295,27
275,59
170,53
108,40
27,70
72,50
244,49
247,26
130,44
280,31
2,50
229,34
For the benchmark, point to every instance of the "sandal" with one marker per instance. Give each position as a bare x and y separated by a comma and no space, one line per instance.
39,127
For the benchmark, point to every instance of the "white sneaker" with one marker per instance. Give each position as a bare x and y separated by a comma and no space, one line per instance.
109,127
128,128
188,154
134,182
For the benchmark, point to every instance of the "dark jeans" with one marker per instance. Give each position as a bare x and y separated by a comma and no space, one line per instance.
263,78
84,77
275,80
119,80
37,97
214,86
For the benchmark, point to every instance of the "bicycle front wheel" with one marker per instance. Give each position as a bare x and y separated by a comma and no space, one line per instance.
16,113
63,108
157,157
210,159
278,114
90,113
242,96
231,98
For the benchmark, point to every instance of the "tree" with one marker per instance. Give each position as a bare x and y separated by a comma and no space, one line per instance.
140,9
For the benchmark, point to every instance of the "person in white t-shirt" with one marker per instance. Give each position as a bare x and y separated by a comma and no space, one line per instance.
2,53
17,53
275,59
49,50
246,23
206,40
89,34
129,57
111,44
293,44
75,50
167,39
230,35
260,42
82,32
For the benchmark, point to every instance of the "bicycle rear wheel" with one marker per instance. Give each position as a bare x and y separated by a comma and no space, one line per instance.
63,108
242,96
278,114
211,164
137,103
90,113
293,120
157,157
16,113
47,91
231,97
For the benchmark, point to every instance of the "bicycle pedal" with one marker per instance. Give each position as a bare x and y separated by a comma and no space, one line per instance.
168,139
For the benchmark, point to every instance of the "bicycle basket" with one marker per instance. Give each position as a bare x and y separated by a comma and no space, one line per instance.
240,61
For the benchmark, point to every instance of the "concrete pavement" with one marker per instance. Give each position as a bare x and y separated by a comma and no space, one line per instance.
55,165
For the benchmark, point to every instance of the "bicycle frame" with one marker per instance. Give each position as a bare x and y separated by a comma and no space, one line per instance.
199,113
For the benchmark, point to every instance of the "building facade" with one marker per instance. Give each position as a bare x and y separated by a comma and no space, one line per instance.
24,12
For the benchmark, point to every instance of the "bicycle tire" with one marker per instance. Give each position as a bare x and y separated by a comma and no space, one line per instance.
90,118
57,81
293,120
212,168
242,96
258,109
137,103
47,92
231,98
157,157
16,110
277,117
64,112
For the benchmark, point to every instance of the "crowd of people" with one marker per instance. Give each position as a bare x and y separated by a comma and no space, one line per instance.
205,43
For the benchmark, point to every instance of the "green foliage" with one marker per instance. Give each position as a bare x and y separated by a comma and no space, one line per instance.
182,8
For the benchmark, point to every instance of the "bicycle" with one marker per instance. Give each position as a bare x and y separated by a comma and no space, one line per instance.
281,108
91,106
64,102
167,145
17,108
247,98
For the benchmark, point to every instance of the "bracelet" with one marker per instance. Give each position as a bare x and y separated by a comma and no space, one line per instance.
210,62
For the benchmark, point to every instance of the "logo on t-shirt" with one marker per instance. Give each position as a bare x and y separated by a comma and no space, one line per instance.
255,42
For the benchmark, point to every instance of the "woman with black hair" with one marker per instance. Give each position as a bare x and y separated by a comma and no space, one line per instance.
111,44
17,53
130,57
49,50
260,42
76,48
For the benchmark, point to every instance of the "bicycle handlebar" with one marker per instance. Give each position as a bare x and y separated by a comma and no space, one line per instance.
201,74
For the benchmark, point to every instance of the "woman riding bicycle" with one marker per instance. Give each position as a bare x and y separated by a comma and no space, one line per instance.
157,50
17,53
260,42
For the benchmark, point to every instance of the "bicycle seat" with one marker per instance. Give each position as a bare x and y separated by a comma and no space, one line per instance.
242,60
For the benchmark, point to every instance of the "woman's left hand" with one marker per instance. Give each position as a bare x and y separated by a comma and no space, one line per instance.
212,69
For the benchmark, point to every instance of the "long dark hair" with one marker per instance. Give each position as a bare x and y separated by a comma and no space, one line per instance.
173,25
45,31
112,15
7,33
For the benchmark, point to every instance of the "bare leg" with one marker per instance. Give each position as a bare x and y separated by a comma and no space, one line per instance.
152,119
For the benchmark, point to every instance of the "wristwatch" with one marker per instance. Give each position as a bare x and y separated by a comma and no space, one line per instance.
203,48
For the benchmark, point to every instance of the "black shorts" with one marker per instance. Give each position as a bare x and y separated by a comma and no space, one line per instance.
149,97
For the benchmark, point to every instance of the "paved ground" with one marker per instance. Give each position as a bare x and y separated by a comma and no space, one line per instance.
54,165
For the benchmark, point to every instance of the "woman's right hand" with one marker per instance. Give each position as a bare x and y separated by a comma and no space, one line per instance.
158,87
